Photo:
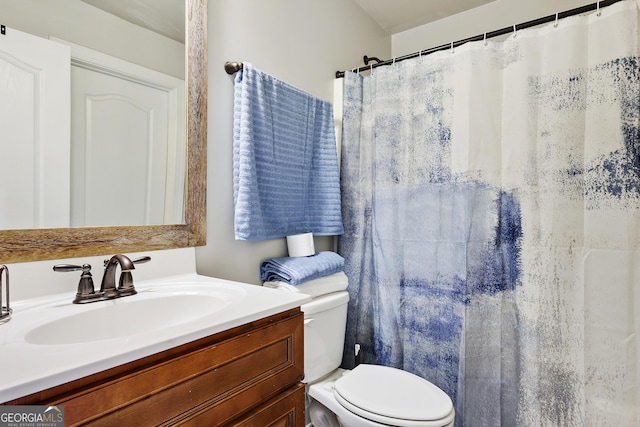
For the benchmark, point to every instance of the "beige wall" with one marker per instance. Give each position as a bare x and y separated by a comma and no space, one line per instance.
301,42
492,16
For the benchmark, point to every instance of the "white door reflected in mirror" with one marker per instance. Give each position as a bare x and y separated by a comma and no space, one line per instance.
34,132
128,143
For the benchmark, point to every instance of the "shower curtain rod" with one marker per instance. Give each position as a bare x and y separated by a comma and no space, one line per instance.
496,33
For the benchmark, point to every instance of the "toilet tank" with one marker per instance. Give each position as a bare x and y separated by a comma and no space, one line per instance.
325,321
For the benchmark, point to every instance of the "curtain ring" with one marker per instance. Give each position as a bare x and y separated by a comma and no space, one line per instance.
515,30
394,61
485,39
452,50
598,8
556,24
371,69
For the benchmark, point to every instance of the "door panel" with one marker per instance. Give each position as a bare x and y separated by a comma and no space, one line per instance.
34,132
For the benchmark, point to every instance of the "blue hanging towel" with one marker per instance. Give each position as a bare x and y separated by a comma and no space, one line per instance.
297,270
285,166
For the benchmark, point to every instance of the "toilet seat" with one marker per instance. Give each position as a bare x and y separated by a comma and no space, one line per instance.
394,397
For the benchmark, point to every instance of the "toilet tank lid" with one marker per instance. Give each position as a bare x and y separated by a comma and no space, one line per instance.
393,393
316,287
325,302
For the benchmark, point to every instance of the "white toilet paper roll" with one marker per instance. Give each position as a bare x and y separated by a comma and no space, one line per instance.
300,245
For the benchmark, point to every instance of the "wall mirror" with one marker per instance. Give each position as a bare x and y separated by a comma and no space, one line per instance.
19,245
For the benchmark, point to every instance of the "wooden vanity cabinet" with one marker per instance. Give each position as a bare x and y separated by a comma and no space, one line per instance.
246,376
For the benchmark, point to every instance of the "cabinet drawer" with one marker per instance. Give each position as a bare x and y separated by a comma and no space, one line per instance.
285,410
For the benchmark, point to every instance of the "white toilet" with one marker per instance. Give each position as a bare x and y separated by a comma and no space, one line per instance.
368,395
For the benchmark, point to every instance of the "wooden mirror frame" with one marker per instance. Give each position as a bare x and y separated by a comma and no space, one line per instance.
54,243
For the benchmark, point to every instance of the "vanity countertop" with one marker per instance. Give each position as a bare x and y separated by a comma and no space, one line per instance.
50,341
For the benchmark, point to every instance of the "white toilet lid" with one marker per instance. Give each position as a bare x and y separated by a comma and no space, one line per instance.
393,396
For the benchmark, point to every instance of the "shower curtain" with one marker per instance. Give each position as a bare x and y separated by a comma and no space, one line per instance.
491,201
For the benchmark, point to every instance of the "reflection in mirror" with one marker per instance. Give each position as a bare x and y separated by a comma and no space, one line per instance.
109,149
50,243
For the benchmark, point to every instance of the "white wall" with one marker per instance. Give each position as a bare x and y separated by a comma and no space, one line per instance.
301,42
490,17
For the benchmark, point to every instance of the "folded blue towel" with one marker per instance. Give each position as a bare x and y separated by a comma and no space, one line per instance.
295,271
285,166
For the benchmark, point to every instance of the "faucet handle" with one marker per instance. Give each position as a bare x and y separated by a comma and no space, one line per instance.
86,292
141,260
69,267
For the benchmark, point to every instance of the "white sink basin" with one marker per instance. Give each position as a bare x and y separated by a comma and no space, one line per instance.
146,312
50,341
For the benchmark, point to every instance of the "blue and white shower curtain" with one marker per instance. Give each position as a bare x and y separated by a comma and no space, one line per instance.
491,201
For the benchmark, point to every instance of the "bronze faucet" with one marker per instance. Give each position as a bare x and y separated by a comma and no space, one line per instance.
108,288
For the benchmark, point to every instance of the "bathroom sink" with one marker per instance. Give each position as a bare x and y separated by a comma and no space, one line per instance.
50,341
126,317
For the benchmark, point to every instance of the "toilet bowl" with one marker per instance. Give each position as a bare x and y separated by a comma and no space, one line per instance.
378,396
368,395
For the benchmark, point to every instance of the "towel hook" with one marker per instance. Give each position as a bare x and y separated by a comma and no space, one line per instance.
232,67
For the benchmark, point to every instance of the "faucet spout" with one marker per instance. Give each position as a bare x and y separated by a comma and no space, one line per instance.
108,285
